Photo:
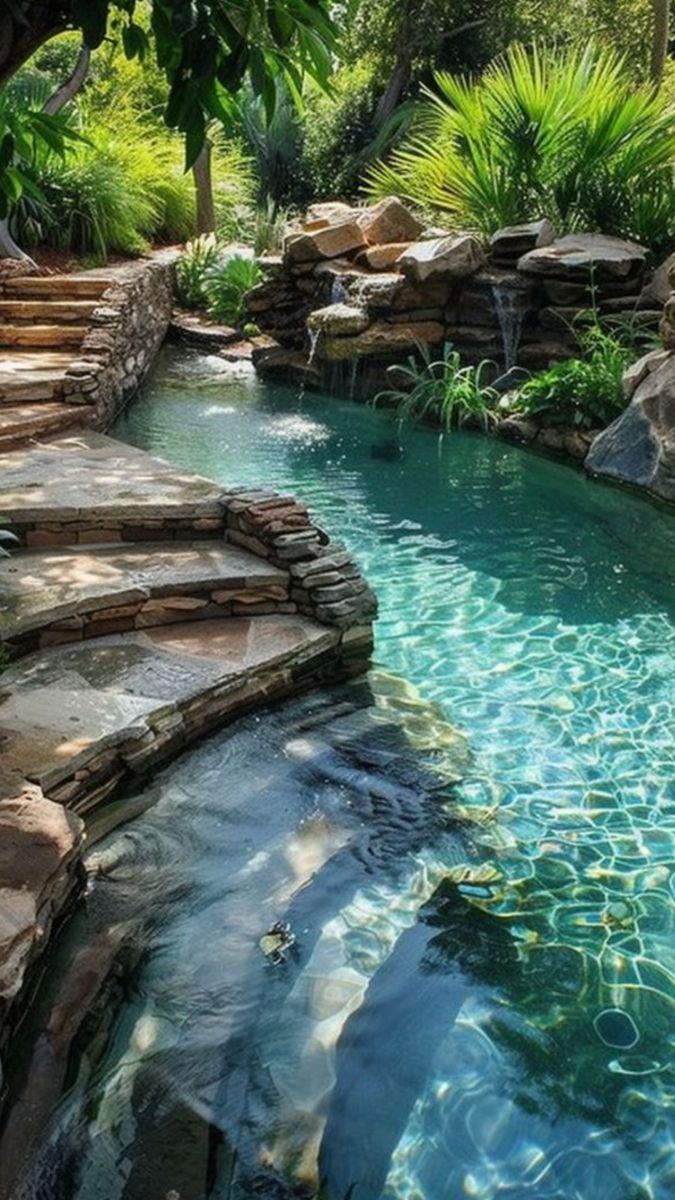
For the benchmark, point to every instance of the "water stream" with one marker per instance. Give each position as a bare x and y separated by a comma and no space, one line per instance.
481,998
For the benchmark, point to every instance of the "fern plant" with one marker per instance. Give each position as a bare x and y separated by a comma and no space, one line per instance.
444,392
198,258
562,133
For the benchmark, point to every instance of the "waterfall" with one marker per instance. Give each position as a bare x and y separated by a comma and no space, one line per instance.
338,291
510,315
314,335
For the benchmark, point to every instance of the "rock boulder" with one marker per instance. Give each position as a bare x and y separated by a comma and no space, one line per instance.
639,447
382,340
389,221
516,240
328,241
585,254
338,320
457,256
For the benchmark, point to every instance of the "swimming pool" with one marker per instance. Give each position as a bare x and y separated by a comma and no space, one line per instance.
481,998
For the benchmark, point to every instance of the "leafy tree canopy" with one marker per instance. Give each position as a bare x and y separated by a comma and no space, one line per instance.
204,47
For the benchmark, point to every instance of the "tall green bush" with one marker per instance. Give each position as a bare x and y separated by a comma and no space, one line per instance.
562,133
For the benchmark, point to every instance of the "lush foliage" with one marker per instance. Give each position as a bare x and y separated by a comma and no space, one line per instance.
584,392
122,182
444,392
561,133
205,48
208,278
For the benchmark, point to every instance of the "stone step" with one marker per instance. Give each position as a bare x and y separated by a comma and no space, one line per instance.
64,595
21,421
31,375
41,335
77,719
57,287
47,311
52,496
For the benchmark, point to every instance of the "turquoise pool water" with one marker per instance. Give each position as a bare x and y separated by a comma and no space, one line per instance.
496,1015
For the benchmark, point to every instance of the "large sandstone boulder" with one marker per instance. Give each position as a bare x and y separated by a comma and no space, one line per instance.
667,325
332,212
328,241
457,256
389,221
382,258
639,447
382,340
584,254
338,319
40,844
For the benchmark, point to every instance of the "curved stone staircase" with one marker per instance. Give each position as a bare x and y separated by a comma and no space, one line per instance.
145,608
43,321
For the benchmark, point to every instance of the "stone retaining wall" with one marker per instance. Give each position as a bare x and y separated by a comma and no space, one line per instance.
127,329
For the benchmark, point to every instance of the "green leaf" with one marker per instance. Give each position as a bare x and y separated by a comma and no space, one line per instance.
91,16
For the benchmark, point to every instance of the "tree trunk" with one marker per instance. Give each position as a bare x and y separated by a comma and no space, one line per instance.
661,9
25,25
71,86
201,173
9,248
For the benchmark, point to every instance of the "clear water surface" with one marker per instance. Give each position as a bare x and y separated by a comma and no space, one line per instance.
481,1002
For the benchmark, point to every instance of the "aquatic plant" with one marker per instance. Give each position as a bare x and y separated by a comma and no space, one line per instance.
585,392
444,391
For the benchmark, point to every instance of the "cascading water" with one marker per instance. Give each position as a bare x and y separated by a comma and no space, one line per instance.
314,338
510,313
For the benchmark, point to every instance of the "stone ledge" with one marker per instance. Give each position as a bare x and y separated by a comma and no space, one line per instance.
80,719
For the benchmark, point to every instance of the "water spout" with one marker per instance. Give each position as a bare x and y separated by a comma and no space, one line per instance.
510,315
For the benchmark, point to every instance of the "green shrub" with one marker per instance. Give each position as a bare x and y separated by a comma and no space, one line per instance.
198,258
563,133
226,287
584,392
206,280
120,187
444,392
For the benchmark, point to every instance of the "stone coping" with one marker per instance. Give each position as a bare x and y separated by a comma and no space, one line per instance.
92,475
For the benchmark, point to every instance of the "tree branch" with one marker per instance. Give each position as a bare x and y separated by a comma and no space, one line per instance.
71,86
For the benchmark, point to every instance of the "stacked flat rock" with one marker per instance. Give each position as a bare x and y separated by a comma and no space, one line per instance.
370,285
572,267
508,245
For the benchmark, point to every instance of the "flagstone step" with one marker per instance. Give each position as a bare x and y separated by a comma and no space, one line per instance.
21,421
28,381
41,335
56,596
57,287
47,311
77,719
53,496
